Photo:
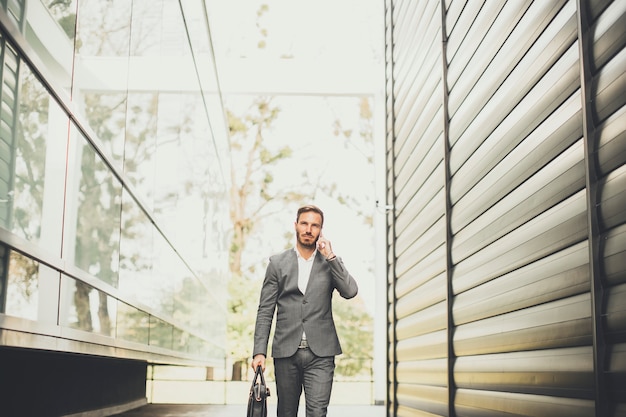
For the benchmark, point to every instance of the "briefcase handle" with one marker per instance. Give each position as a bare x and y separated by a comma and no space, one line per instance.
260,390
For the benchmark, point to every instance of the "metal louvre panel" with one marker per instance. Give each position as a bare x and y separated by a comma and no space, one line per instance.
609,35
425,153
404,16
506,42
512,193
561,323
610,87
611,142
608,112
418,175
563,274
427,372
420,313
510,245
519,219
509,77
541,81
616,370
609,61
559,227
419,273
474,403
427,346
417,203
428,294
422,401
557,372
419,112
424,322
616,311
614,251
482,150
413,268
425,232
406,75
485,31
612,205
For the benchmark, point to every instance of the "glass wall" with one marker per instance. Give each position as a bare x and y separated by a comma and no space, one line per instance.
113,206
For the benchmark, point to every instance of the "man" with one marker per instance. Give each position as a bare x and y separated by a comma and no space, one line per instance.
299,285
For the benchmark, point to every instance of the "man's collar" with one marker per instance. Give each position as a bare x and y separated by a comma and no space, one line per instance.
295,248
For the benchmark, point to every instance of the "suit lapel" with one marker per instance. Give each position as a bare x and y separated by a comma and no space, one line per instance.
317,262
292,273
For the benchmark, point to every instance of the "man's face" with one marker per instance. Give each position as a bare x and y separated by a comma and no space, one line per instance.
308,229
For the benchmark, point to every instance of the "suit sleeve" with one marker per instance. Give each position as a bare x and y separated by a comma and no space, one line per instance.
265,313
345,284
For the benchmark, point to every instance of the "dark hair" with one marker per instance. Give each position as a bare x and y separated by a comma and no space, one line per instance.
310,207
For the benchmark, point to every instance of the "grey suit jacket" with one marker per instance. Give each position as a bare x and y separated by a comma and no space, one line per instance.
296,312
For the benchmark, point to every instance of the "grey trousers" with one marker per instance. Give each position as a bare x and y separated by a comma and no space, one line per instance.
304,370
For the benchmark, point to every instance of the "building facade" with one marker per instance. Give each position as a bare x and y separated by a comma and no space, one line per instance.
506,151
113,201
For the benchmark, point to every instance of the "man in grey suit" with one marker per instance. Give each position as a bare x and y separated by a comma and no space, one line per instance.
298,286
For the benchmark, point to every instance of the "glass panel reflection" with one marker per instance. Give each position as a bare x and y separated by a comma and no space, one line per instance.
49,29
195,306
22,285
132,324
63,13
134,86
161,333
103,27
168,271
32,155
86,308
136,251
139,147
15,10
28,289
50,32
101,70
96,231
190,196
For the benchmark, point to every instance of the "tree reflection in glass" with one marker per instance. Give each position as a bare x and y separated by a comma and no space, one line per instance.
97,235
30,157
22,284
86,308
98,218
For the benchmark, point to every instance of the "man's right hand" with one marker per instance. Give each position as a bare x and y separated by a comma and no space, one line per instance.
258,360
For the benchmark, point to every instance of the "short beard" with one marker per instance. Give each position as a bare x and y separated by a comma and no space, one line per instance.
307,245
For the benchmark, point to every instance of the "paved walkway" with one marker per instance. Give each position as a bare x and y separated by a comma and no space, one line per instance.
203,410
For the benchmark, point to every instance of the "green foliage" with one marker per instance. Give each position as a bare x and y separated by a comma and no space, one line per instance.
244,294
355,327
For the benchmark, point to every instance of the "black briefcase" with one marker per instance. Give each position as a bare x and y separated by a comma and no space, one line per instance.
257,402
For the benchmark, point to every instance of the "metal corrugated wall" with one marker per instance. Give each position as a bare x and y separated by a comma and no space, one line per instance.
506,151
